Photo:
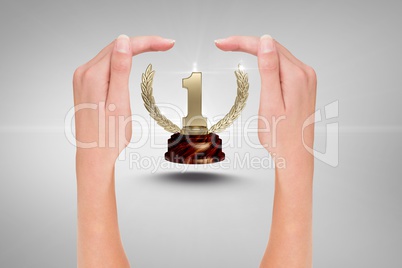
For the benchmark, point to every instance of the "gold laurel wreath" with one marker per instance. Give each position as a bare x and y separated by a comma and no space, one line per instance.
238,106
155,113
149,102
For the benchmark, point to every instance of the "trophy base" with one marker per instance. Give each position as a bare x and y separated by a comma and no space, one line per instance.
194,149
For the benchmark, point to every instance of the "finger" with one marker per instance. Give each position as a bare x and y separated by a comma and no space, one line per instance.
139,44
120,67
290,75
268,64
99,71
249,44
289,55
100,55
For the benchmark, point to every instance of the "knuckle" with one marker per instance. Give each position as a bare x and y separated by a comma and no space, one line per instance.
89,74
300,75
121,66
78,73
269,62
312,76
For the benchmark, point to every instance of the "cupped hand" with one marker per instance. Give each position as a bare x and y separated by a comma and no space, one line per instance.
101,97
288,95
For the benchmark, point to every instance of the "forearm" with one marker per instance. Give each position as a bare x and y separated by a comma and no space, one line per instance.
290,242
99,243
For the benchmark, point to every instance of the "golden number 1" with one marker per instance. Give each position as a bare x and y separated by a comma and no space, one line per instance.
194,119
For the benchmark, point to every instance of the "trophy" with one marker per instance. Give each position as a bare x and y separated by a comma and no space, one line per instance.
194,143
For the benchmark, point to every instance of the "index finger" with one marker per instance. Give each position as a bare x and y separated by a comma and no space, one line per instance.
249,44
139,44
99,67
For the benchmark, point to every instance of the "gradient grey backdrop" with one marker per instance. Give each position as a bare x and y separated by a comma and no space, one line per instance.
207,217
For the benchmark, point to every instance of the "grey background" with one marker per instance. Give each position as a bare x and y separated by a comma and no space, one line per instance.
205,217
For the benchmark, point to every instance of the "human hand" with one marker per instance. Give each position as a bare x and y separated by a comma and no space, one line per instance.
288,95
101,97
103,130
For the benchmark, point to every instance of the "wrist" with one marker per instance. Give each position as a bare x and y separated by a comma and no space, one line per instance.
291,156
105,156
294,167
94,165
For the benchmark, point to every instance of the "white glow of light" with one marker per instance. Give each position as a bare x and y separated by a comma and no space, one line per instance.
194,67
241,67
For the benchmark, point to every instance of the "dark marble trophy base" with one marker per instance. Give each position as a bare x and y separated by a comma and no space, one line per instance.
194,149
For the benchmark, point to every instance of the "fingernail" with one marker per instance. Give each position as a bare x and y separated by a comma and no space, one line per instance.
123,43
171,41
218,41
266,44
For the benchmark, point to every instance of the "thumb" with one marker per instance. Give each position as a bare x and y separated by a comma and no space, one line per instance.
120,67
268,64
